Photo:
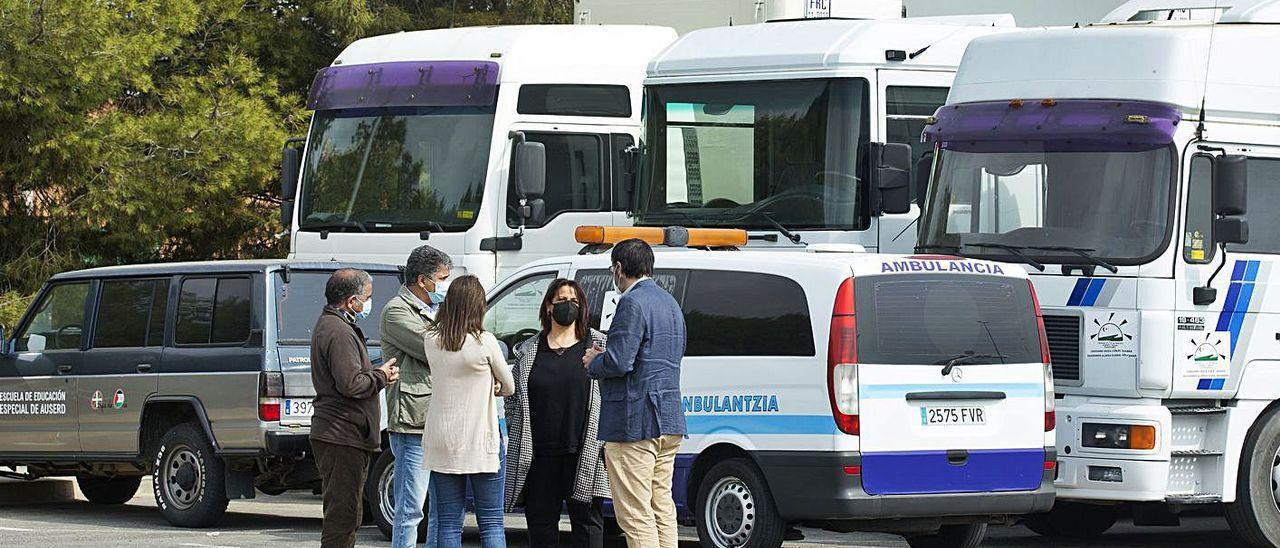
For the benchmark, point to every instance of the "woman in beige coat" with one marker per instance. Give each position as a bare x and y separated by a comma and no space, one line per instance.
461,440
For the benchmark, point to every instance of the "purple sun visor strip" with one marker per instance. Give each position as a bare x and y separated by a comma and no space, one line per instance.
405,84
1049,125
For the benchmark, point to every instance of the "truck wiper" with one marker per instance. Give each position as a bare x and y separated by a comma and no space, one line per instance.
786,233
328,226
429,226
676,213
1015,250
926,248
1083,253
950,364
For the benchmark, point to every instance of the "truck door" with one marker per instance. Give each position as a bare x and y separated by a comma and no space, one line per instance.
906,99
1215,342
37,414
120,367
980,426
577,193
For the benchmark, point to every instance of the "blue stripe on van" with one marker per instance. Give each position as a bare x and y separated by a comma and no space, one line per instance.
1077,292
1091,294
920,472
760,424
1012,390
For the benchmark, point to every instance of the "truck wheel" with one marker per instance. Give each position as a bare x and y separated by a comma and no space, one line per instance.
108,490
379,493
1255,515
189,480
735,508
951,536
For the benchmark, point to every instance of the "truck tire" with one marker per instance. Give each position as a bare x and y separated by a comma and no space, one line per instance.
735,508
108,490
1255,515
1073,520
380,496
1040,524
189,480
951,536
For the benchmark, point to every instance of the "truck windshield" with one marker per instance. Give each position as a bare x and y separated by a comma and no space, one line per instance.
749,154
396,169
1051,206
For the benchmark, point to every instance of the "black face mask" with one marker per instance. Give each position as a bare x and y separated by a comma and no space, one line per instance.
565,313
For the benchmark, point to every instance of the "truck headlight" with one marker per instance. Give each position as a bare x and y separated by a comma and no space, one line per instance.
1118,436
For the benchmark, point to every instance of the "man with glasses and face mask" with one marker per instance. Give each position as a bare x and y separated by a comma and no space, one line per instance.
404,325
345,430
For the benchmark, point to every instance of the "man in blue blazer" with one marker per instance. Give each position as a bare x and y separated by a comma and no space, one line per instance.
641,419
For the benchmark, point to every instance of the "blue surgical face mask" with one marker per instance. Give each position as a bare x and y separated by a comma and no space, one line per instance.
364,312
437,296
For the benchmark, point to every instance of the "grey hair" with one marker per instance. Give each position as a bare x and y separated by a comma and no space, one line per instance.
425,261
345,283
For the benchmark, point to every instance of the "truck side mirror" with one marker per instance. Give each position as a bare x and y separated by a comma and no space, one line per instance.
1230,174
1230,230
631,157
6,347
920,178
890,177
290,166
531,169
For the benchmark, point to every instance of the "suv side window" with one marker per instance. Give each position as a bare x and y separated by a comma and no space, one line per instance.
58,322
730,313
575,175
513,314
131,313
597,285
214,311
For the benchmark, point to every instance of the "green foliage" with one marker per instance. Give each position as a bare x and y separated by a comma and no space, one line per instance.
150,130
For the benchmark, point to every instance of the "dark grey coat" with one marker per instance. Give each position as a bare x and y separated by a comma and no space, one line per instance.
591,479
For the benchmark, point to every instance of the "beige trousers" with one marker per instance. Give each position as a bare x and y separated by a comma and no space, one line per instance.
640,476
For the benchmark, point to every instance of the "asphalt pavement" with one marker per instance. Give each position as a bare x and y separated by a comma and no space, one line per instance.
294,519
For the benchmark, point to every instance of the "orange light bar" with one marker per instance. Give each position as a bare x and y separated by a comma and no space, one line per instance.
671,236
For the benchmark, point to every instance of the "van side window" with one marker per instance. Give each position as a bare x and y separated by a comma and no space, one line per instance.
127,315
58,321
1197,238
213,311
746,314
513,315
906,110
597,284
575,180
1263,190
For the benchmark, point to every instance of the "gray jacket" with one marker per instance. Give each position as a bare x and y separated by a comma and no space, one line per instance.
591,479
404,327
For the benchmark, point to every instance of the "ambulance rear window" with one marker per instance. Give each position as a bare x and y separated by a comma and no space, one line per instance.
931,318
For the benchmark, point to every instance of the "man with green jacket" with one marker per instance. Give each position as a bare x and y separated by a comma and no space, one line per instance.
404,324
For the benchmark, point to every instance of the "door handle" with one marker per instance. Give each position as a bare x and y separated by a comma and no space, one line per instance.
144,368
957,457
64,369
956,395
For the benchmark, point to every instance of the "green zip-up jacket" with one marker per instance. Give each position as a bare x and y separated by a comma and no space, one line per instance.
404,327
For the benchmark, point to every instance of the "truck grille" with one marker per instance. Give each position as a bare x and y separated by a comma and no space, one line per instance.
1064,346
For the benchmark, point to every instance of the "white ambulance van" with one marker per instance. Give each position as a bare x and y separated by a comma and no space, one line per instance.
837,389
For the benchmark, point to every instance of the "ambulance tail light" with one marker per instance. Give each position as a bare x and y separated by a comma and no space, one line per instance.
1050,415
842,361
270,390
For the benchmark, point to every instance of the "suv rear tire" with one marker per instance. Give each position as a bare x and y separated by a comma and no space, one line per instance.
951,536
735,508
1255,515
108,489
189,480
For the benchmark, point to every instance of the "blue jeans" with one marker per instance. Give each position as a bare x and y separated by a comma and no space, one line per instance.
410,492
450,499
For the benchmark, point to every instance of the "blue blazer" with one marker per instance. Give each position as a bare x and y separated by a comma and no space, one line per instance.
639,372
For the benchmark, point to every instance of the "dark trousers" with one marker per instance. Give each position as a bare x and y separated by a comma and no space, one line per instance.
343,471
549,485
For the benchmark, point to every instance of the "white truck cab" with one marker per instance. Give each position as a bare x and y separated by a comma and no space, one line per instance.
850,391
802,130
1132,176
418,137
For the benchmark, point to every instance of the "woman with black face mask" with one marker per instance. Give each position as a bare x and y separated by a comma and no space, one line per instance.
554,458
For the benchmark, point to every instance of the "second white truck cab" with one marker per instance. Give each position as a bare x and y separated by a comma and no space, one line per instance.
423,137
